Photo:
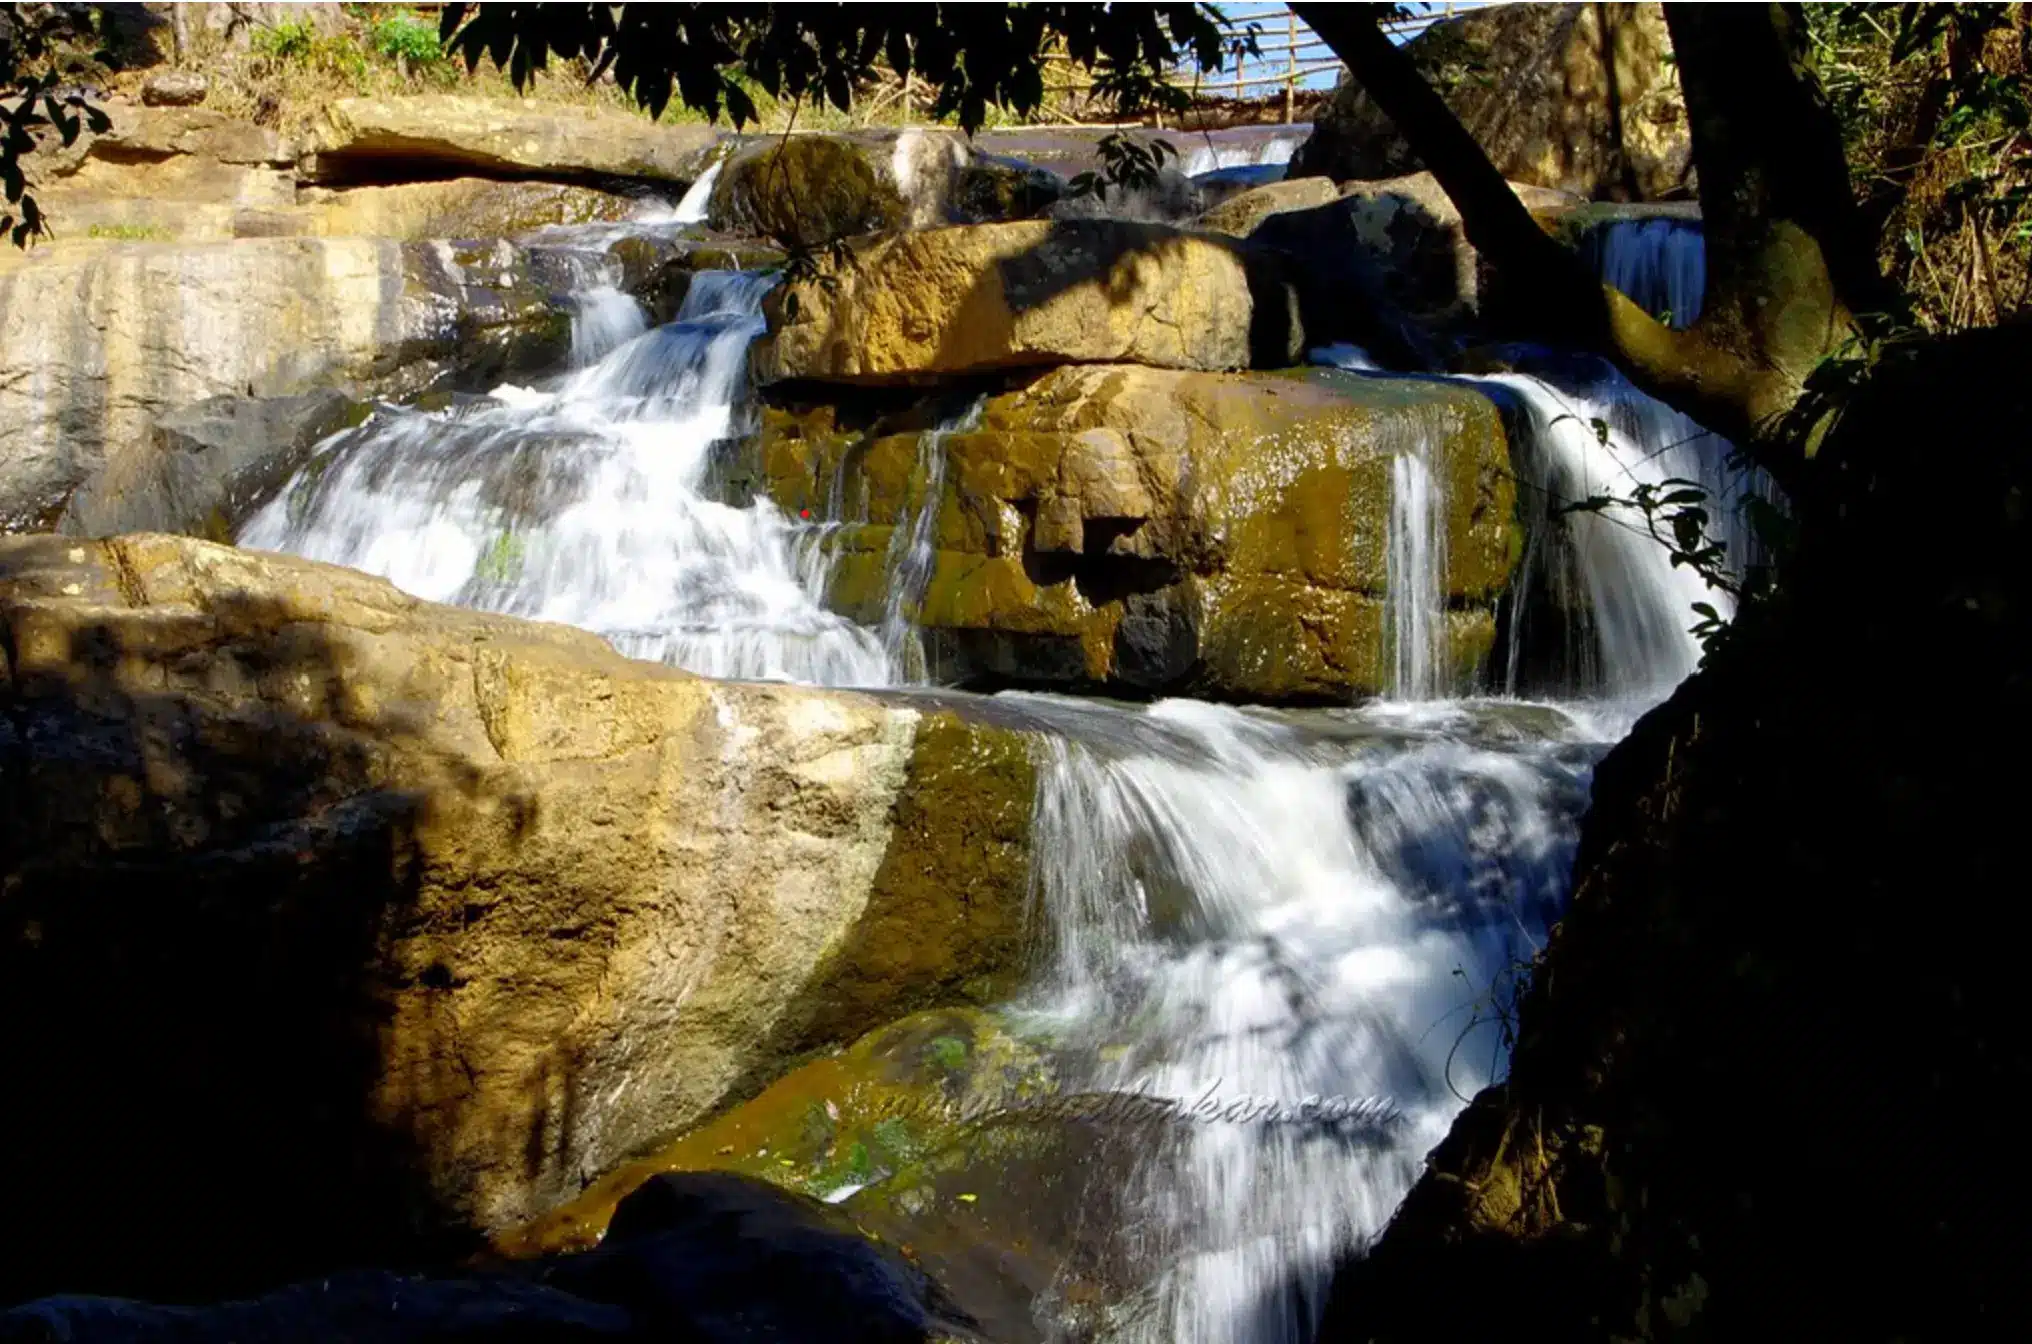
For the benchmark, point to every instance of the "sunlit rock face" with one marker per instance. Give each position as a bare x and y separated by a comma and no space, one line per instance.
441,913
1232,534
1583,98
97,342
941,302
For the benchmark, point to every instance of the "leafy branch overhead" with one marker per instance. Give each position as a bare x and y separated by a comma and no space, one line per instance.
975,55
35,101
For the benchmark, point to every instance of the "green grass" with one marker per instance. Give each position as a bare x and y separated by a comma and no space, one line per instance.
129,233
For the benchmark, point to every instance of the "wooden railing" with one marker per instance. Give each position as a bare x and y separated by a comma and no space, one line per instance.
1287,55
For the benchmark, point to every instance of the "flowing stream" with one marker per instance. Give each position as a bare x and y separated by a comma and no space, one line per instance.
1282,908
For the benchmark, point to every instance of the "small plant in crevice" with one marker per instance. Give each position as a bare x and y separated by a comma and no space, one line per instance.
1127,164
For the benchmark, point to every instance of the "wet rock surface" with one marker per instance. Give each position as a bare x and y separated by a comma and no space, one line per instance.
1157,529
211,465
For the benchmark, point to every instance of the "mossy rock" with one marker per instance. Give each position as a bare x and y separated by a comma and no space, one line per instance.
805,191
1029,1215
849,1119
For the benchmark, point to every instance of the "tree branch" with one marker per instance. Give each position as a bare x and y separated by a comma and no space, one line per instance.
1773,199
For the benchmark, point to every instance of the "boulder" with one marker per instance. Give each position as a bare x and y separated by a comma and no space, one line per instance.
812,190
367,140
1583,98
440,913
992,189
210,465
1407,238
705,1257
1241,213
174,88
463,207
996,296
96,342
1161,531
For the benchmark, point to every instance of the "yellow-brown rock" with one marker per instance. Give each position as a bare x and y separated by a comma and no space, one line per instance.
1583,98
1241,213
1164,530
408,139
1035,292
99,339
436,915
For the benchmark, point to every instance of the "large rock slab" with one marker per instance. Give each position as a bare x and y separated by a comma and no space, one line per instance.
932,304
1583,98
1155,530
163,173
98,341
439,913
1407,234
362,140
211,465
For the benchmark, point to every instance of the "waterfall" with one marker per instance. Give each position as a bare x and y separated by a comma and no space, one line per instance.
1211,153
1415,616
1237,908
913,545
1660,263
1242,911
1591,436
603,320
698,197
587,504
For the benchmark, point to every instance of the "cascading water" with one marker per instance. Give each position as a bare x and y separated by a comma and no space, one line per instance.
1211,153
698,197
1239,905
912,548
1245,911
586,504
1661,264
1415,622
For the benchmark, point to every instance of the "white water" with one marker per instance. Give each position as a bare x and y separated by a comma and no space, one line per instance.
1244,910
1661,264
1238,906
692,206
1605,565
587,504
1209,154
1415,616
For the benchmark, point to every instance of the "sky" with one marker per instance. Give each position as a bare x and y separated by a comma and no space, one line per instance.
1274,19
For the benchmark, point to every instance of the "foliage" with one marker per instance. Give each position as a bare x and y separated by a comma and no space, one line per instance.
34,40
1127,164
1936,122
977,56
406,39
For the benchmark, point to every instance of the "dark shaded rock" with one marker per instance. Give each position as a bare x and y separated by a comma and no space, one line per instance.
805,191
1172,198
712,1256
1028,1217
707,1257
352,1308
992,188
210,466
175,88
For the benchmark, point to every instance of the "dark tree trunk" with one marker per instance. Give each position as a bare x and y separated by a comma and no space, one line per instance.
1789,260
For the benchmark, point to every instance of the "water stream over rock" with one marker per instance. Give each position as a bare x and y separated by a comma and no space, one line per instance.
1302,928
